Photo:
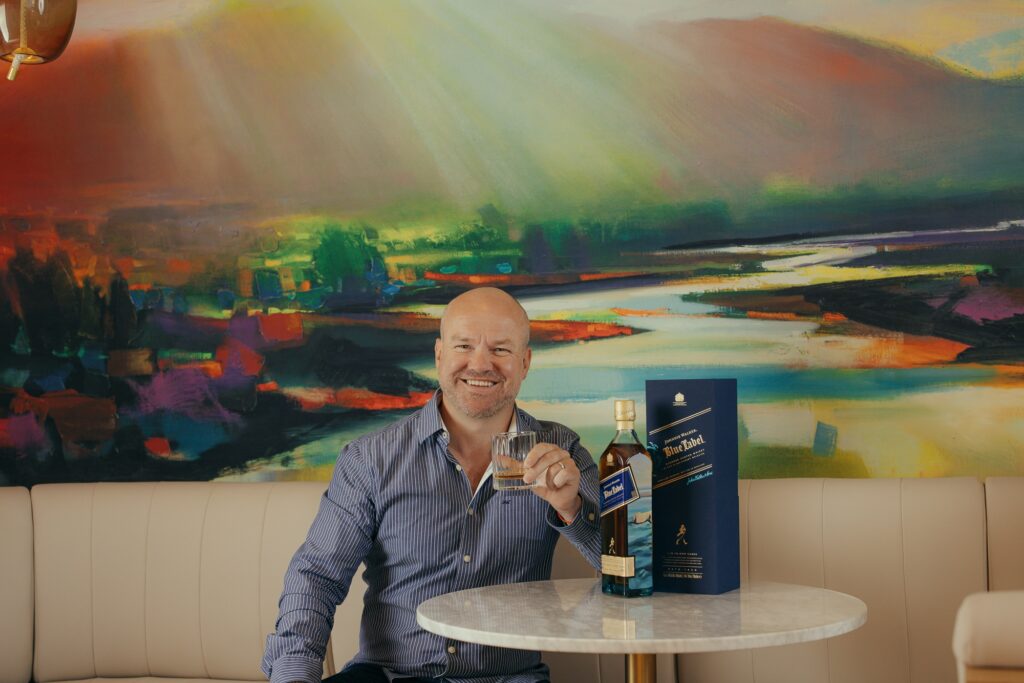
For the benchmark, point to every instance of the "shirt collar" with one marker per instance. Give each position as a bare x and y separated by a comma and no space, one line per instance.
430,422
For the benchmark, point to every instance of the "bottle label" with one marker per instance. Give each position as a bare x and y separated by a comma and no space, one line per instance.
617,490
613,565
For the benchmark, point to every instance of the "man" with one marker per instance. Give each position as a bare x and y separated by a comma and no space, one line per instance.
414,503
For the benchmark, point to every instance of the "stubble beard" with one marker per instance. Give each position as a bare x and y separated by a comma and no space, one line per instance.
453,395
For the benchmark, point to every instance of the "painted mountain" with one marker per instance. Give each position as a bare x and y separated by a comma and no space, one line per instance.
318,108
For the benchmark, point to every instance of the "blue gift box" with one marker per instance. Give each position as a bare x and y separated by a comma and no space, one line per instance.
692,439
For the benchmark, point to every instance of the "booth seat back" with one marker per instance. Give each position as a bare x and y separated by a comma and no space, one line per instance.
911,549
171,580
163,579
1004,505
181,580
15,585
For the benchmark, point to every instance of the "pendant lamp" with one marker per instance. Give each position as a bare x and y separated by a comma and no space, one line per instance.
34,31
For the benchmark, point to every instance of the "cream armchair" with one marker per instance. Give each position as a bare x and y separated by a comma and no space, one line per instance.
988,639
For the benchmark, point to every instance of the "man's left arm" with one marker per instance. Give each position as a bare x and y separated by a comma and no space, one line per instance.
584,531
571,493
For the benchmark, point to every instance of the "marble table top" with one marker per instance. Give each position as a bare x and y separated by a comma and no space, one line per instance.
573,615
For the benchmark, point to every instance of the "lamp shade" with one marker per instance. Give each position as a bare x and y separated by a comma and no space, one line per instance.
34,31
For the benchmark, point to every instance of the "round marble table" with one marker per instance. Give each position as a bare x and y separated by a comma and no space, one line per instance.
573,615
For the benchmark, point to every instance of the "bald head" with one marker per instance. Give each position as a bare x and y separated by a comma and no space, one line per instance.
487,302
482,357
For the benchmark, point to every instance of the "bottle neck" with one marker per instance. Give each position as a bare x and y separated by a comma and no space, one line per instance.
625,432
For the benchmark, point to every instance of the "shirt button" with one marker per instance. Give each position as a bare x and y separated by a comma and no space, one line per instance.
469,511
451,649
591,516
458,468
466,558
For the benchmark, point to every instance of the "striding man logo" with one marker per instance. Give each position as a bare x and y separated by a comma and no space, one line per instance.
681,535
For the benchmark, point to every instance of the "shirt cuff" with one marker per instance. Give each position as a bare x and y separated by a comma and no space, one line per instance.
289,669
585,517
567,522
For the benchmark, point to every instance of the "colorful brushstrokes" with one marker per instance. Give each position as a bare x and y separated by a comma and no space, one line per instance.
219,258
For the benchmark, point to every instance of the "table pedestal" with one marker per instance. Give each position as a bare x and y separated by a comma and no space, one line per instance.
641,668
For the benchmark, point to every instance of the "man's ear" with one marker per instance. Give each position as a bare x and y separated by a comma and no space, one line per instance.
437,351
527,357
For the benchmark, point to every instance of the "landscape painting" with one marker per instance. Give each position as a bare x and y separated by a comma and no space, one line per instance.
228,229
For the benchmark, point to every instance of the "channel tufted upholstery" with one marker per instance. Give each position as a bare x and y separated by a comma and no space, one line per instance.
178,582
911,549
169,580
16,608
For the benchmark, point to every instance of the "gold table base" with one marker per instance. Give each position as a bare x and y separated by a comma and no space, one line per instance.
641,668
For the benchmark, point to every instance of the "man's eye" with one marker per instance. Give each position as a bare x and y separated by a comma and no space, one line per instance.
462,347
502,351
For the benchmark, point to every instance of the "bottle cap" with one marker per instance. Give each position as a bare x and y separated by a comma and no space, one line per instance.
625,411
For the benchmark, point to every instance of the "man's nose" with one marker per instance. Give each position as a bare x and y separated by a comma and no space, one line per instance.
480,358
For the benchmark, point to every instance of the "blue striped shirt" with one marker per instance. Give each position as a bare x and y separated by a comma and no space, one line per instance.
399,503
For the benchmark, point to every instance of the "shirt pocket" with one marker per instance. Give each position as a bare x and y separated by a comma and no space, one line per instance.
522,516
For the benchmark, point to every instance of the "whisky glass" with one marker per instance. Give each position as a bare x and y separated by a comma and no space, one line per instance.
508,451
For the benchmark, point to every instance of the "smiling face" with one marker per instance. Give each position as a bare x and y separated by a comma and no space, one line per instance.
483,354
